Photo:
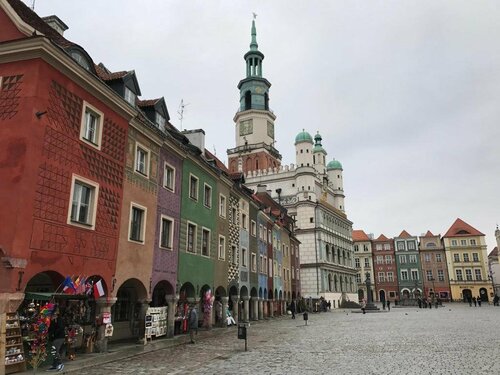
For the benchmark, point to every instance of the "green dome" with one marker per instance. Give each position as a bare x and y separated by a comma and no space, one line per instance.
334,164
318,148
303,136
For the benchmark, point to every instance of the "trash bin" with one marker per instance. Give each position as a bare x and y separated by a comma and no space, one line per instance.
306,316
242,331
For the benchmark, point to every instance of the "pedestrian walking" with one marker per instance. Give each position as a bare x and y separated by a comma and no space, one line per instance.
419,301
383,304
495,300
389,305
479,301
57,334
193,323
292,308
363,306
218,312
474,301
470,301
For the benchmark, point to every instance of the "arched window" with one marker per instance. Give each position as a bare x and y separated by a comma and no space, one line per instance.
248,100
327,253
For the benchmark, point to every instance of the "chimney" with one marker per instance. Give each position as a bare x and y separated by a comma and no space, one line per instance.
56,23
197,138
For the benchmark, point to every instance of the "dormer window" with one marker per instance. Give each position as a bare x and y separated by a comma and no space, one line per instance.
129,96
80,59
160,121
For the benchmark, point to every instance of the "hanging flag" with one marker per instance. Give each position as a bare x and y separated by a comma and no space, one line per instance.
76,284
88,287
98,289
82,288
68,286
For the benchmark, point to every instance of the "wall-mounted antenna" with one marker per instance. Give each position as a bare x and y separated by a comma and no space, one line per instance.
181,111
32,5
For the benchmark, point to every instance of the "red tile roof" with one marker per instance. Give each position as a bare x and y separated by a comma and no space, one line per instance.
460,229
382,238
429,234
494,252
106,75
219,164
147,103
405,234
359,235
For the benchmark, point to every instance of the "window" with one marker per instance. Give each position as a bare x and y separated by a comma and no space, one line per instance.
401,245
441,275
269,236
475,257
234,254
468,274
456,258
160,121
390,276
169,177
205,242
478,274
265,265
404,275
459,275
235,216
466,257
129,96
222,247
193,187
413,258
254,262
243,257
83,202
253,228
191,238
207,196
293,273
402,259
358,278
414,274
438,258
381,277
378,247
244,223
356,248
454,243
141,160
388,259
428,274
411,245
367,262
222,206
270,264
261,264
473,242
356,263
365,248
427,257
166,232
91,126
137,223
387,246
380,259
463,242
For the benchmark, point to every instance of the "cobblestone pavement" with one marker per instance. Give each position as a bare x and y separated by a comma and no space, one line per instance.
454,339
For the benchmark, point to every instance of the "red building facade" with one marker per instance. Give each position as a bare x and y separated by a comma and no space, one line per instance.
384,265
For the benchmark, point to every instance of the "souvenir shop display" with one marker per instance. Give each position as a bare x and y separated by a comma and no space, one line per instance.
14,352
156,322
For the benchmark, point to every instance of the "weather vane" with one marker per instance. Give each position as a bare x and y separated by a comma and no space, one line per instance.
254,15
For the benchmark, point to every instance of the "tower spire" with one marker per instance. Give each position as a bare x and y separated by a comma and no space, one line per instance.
253,44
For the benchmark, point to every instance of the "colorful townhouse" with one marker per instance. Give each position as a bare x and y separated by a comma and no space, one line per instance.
466,257
408,266
434,269
385,269
363,262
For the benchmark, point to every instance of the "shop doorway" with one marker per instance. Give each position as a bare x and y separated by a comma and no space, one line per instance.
466,295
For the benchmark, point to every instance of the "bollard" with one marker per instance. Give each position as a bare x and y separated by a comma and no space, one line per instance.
306,317
242,334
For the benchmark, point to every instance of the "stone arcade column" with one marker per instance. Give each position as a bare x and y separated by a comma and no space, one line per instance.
255,307
245,309
260,302
225,302
103,305
171,303
142,320
236,300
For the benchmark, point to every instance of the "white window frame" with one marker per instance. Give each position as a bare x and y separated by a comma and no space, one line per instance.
160,121
146,162
195,237
99,124
171,234
234,253
129,96
261,264
222,205
473,242
390,277
142,238
209,203
475,257
203,230
254,262
413,272
404,272
412,258
191,177
253,228
244,221
166,167
265,267
92,204
222,250
459,274
439,258
244,254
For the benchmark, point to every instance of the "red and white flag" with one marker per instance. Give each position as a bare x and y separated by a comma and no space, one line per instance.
98,289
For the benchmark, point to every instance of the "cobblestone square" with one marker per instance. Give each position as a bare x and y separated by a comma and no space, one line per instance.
454,339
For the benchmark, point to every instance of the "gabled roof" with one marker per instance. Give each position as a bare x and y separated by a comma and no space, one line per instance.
405,234
461,229
494,252
359,235
429,234
106,75
218,163
382,238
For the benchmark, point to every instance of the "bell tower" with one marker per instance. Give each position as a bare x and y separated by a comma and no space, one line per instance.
254,122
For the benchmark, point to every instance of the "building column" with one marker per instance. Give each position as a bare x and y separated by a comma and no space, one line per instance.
246,309
260,302
225,301
171,305
235,298
103,306
255,307
271,308
142,320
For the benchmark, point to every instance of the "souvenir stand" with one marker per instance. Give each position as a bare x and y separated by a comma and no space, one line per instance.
15,360
156,322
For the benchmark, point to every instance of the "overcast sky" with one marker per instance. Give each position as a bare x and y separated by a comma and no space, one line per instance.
406,94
